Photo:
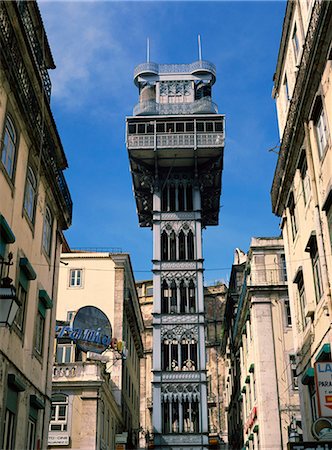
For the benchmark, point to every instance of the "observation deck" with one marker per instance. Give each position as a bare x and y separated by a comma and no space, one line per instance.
195,69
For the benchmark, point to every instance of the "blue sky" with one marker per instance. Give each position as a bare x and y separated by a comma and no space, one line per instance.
96,46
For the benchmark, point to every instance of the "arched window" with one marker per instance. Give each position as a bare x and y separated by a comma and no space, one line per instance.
192,297
172,246
173,308
59,413
190,245
9,147
47,231
164,246
183,297
182,246
30,194
164,297
170,355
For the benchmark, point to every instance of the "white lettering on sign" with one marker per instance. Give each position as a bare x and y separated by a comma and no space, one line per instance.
58,439
323,379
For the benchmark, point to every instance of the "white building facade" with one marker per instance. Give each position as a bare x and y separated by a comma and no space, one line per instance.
175,142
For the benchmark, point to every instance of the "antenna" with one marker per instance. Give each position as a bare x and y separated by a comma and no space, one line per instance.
199,48
147,50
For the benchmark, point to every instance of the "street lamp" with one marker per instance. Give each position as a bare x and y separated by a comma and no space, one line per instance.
293,435
9,303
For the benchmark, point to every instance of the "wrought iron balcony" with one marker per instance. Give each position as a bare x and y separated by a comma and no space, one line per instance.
154,68
145,141
36,47
201,106
18,75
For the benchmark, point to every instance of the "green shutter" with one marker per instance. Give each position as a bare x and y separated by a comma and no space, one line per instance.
11,403
47,301
6,235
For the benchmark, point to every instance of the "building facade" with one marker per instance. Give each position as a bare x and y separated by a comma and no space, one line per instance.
145,295
214,301
261,385
302,186
175,142
35,207
103,390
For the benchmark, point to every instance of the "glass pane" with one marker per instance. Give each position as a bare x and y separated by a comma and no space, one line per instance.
200,126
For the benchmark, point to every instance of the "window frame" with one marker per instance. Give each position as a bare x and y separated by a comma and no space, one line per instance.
75,271
39,333
30,194
9,171
57,404
47,231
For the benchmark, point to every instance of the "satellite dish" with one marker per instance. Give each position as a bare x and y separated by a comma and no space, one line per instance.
322,429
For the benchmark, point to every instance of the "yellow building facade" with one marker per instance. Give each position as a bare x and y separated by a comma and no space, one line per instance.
99,393
302,186
35,206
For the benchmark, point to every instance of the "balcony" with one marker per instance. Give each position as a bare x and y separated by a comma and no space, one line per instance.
201,106
151,68
78,371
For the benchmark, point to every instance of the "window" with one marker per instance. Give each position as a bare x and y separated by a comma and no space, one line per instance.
26,274
64,353
39,336
322,133
9,428
286,89
30,194
20,315
288,315
292,364
283,268
149,291
305,179
292,212
47,231
9,147
296,44
75,278
302,302
314,256
31,439
59,412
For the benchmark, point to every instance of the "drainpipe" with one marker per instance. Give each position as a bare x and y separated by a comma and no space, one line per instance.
318,221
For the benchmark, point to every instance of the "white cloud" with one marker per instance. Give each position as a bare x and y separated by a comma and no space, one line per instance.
88,56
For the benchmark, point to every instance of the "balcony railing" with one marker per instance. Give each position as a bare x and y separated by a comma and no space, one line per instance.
151,67
19,77
36,47
201,106
77,371
172,140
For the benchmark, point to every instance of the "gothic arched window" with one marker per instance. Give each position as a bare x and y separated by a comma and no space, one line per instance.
164,246
182,246
190,245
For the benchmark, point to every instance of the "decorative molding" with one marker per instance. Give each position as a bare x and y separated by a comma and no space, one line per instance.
179,319
181,392
182,439
178,265
179,215
179,331
177,227
181,376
